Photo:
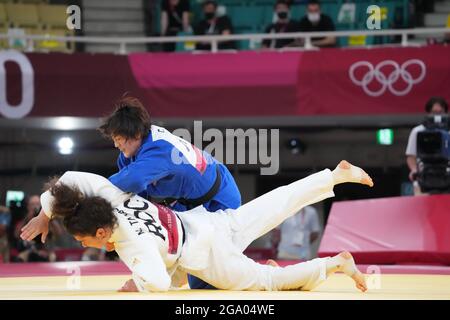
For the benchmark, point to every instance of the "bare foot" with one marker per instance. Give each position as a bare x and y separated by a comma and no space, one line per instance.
360,282
346,172
272,263
350,269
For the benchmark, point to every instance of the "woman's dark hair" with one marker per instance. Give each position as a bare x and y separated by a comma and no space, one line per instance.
130,119
433,100
81,215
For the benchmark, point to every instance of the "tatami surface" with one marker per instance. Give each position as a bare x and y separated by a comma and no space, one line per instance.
336,287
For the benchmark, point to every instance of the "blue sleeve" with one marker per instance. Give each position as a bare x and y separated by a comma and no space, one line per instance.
136,176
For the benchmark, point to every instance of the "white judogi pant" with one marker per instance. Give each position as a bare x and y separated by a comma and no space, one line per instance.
233,230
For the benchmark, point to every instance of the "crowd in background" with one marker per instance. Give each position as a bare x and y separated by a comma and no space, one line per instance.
176,20
59,245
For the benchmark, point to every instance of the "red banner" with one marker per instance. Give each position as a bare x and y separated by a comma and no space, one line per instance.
325,82
372,81
65,85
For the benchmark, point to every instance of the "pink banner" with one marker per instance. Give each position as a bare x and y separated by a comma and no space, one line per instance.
175,71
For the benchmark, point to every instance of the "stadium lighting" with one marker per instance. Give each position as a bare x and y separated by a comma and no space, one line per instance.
65,145
296,146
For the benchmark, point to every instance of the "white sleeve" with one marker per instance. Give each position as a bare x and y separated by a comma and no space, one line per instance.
90,185
411,148
148,268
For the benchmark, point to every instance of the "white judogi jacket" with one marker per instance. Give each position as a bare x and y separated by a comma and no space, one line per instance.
149,237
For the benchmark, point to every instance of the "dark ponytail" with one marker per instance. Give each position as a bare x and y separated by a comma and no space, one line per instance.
81,215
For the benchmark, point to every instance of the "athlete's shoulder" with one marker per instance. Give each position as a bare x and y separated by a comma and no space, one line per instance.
154,140
159,133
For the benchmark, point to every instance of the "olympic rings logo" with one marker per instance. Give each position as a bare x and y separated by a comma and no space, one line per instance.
387,81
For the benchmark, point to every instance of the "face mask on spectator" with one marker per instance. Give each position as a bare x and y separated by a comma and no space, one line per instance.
314,17
282,15
210,15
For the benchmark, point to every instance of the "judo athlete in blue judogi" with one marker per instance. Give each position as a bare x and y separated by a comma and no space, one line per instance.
166,169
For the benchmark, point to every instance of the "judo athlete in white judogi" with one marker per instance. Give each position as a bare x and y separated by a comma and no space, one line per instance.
159,245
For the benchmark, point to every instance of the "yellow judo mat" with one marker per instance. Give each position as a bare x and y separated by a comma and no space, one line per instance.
338,286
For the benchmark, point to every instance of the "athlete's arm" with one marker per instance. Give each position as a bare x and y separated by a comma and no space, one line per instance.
136,176
149,272
88,183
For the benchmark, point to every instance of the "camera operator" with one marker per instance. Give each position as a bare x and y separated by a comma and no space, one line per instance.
434,106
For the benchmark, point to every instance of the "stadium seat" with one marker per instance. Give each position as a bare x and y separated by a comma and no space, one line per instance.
3,16
3,42
230,3
3,26
248,18
52,16
244,44
184,46
23,15
54,45
33,1
53,19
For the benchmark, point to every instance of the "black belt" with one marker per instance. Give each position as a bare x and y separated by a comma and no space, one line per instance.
192,203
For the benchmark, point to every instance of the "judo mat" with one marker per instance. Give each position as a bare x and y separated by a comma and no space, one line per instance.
59,281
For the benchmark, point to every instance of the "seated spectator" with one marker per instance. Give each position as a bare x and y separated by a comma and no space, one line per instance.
317,21
174,19
282,25
213,25
5,221
294,237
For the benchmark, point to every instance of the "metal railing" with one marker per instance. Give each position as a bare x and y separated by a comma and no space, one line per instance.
214,40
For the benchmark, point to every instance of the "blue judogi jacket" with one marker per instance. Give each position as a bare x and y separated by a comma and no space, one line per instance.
167,166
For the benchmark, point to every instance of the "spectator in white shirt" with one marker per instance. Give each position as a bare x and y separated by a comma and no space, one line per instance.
296,235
